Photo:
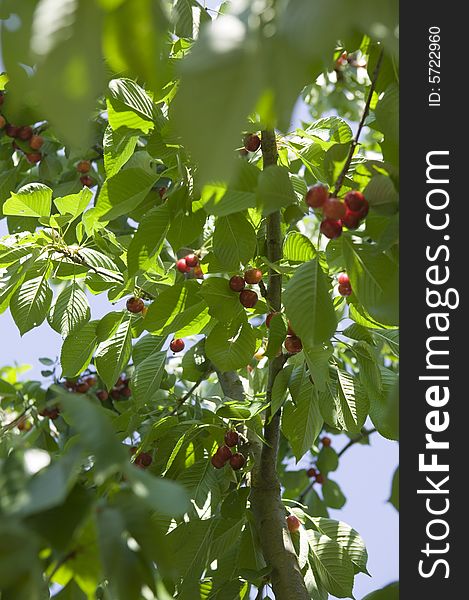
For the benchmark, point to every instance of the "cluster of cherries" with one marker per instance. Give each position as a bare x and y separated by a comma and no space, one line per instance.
189,262
292,342
348,213
247,297
345,287
83,167
120,391
314,473
51,412
224,453
24,133
143,459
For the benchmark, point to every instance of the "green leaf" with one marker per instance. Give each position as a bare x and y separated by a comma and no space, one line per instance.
332,494
327,460
31,200
70,311
96,434
119,146
234,241
78,349
222,302
384,407
186,228
298,248
390,592
224,61
145,23
370,375
30,303
174,308
223,199
74,204
277,333
147,345
231,347
61,56
18,552
332,564
147,377
309,305
302,420
374,279
129,106
148,240
122,566
125,190
353,404
346,537
317,359
163,495
202,481
113,354
394,498
274,189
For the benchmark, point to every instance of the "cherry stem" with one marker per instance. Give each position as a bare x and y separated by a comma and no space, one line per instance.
366,110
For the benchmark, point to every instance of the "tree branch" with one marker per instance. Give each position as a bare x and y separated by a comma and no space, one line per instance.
366,110
266,500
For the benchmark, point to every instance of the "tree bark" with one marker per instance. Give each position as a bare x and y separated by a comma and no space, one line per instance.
287,580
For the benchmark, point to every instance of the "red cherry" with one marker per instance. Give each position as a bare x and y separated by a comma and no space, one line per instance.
354,200
12,131
237,461
252,276
182,266
311,472
217,461
135,305
177,345
237,283
231,438
293,523
33,157
224,453
351,219
70,385
2,120
162,191
192,260
91,380
144,459
364,210
102,395
82,388
334,209
344,289
317,195
293,344
126,392
248,298
83,166
320,478
343,278
252,142
331,229
25,133
115,394
36,142
326,441
87,181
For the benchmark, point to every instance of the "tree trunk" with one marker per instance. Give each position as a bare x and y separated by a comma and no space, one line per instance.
266,503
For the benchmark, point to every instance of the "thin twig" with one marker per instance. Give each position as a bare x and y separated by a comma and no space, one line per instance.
354,144
355,440
188,394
